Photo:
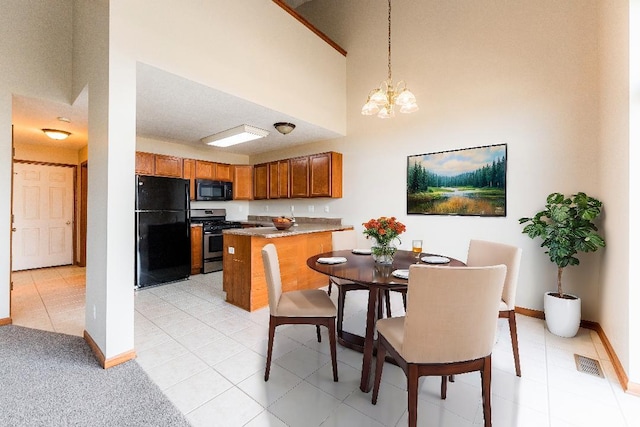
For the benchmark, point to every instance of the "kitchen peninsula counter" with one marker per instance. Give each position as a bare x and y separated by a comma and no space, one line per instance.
243,271
270,232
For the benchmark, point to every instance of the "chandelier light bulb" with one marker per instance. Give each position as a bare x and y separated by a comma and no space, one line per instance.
370,108
405,98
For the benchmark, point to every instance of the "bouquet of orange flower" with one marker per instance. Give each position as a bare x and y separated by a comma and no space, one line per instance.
384,229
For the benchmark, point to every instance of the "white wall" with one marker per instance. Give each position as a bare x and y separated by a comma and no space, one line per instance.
45,33
521,73
633,369
41,153
249,49
614,174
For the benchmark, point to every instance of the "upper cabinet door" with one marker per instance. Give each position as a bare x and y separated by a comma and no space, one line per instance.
205,170
299,177
189,172
145,163
261,181
283,179
168,166
223,172
242,182
325,175
274,181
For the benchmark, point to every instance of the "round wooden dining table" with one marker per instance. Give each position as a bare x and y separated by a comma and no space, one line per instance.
361,269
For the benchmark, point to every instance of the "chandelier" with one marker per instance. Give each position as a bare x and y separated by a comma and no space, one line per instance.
381,100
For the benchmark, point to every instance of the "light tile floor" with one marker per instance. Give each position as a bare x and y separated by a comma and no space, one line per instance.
208,357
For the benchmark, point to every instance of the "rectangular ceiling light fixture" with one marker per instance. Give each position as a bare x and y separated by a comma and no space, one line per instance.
236,135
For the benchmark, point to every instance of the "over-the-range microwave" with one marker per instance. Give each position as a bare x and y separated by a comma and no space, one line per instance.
213,190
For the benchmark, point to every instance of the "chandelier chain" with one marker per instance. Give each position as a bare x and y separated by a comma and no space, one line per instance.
389,41
381,100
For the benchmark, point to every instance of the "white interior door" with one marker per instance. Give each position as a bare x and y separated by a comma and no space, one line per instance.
43,216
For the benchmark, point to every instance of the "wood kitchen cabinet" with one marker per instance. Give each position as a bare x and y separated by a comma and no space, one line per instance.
196,249
279,179
325,175
223,172
145,163
242,182
261,181
213,171
299,177
244,280
158,165
205,170
189,172
168,166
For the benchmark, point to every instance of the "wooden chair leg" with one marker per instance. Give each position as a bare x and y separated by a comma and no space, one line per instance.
378,376
332,347
412,389
318,333
387,297
514,340
443,387
485,375
272,331
329,288
341,297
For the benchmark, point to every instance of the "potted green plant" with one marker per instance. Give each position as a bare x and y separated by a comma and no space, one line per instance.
566,228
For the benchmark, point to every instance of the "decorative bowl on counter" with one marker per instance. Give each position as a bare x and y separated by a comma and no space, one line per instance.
282,223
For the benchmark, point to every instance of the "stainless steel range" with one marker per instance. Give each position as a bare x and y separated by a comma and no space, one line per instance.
213,222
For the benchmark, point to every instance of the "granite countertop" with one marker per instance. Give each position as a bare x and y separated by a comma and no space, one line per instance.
271,232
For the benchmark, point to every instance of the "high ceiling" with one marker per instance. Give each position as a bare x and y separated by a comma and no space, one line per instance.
168,108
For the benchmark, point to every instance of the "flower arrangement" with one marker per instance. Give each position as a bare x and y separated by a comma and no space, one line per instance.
384,231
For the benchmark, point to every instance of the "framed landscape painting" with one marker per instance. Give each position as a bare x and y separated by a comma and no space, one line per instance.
469,181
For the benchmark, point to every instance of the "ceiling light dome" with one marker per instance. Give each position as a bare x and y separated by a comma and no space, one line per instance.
56,134
284,127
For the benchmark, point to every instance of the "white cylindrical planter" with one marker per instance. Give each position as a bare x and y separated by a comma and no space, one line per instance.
562,315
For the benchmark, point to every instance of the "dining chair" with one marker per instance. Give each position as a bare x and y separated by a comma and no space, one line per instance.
344,240
449,328
482,253
309,307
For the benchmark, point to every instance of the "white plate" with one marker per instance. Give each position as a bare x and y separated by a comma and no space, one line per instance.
401,274
435,259
361,251
332,260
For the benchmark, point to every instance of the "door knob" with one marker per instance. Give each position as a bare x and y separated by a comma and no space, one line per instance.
13,229
68,222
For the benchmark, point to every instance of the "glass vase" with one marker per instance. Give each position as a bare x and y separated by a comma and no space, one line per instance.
383,253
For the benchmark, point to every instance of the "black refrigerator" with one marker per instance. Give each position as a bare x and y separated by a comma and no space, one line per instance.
163,245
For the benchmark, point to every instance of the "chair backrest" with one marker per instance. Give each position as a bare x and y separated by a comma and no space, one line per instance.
272,274
482,253
343,240
452,313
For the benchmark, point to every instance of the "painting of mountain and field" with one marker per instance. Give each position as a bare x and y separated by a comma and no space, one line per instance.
470,181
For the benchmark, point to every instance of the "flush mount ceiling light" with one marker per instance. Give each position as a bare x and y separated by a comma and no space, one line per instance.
382,99
56,134
236,135
284,127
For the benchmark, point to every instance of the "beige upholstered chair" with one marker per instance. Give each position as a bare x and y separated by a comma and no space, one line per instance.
483,253
449,328
312,307
343,240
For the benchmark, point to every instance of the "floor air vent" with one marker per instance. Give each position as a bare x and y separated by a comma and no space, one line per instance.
588,366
